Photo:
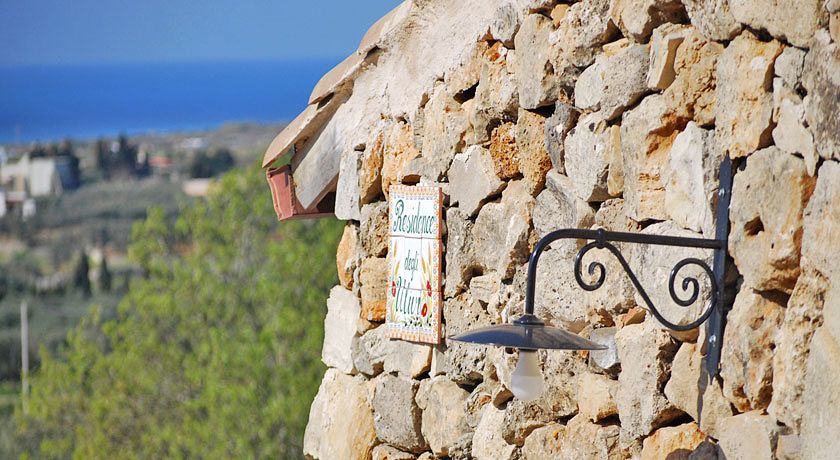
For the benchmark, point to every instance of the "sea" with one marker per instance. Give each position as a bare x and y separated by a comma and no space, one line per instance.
50,103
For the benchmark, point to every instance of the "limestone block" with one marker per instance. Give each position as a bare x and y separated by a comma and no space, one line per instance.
461,450
487,442
645,352
794,22
504,151
399,149
583,439
582,29
693,392
663,50
558,297
500,233
465,74
559,207
339,329
369,351
373,228
691,179
347,191
834,26
438,364
535,73
534,161
444,125
556,127
605,361
653,265
347,255
589,147
535,6
748,435
595,396
505,24
496,96
821,216
386,452
409,360
396,415
712,18
351,436
647,133
373,277
561,370
821,78
747,358
460,258
789,447
521,420
589,87
473,179
692,93
789,66
544,442
558,13
638,18
821,420
672,441
444,419
804,313
370,170
465,362
768,199
791,133
744,100
481,395
635,315
485,288
615,82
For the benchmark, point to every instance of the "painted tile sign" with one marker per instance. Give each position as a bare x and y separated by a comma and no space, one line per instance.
414,263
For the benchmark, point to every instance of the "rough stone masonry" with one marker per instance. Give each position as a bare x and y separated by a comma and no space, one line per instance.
535,115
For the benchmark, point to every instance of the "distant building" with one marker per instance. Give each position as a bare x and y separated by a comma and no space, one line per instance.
160,165
39,176
197,187
28,209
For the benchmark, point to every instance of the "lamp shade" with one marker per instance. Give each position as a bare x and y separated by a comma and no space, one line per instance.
527,337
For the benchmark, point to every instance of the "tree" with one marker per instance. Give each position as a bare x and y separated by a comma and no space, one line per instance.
81,275
204,165
104,275
103,158
214,353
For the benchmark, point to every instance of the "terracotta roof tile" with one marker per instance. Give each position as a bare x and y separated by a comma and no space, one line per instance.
303,126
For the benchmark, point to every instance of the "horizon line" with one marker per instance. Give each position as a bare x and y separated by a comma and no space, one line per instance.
128,63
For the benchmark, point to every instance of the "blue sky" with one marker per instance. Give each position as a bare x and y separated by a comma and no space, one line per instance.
117,31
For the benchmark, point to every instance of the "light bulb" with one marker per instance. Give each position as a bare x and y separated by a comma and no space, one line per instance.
526,382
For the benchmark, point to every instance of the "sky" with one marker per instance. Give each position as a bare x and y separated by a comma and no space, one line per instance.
60,32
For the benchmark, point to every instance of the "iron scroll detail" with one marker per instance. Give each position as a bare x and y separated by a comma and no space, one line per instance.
690,285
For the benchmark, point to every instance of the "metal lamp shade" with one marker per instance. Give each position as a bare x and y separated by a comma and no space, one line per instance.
527,337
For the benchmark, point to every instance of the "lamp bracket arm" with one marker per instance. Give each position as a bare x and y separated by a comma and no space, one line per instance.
602,239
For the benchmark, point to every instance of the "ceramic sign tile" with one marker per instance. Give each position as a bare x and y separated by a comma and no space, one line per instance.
414,263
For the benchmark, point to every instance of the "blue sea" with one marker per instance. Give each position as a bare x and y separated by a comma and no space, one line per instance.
45,103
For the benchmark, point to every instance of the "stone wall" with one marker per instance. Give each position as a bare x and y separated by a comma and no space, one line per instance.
535,115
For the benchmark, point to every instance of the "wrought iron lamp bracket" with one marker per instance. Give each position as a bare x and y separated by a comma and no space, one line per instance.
720,295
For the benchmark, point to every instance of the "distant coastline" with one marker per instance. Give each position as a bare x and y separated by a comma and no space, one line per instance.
82,102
